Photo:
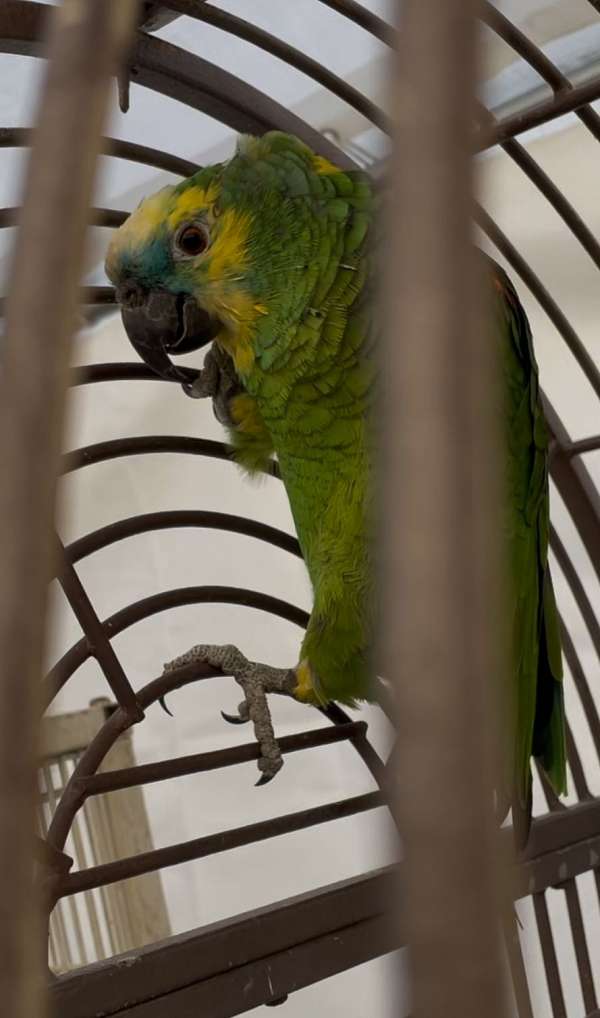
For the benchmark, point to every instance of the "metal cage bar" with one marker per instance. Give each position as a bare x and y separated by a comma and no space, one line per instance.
85,46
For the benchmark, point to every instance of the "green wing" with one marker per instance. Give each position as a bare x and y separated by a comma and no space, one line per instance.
539,722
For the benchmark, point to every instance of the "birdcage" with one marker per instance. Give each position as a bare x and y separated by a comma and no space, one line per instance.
265,955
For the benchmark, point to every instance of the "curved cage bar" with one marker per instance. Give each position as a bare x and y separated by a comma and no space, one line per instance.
294,943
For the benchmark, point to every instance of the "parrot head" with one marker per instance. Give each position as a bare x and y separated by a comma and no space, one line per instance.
226,254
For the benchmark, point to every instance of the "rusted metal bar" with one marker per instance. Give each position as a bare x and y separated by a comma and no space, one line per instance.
577,589
576,487
178,518
522,158
23,27
568,101
90,295
271,980
212,844
182,76
537,59
524,47
591,444
574,835
361,744
283,51
576,766
157,972
440,550
114,372
71,909
98,642
84,48
580,682
561,845
517,965
586,976
552,868
144,445
199,763
557,999
207,87
97,295
97,217
155,16
557,317
551,799
164,601
49,856
553,833
178,74
116,723
19,137
200,957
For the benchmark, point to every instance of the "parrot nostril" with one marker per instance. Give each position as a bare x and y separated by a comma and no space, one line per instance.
130,295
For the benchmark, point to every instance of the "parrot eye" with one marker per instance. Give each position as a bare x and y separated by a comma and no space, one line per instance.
192,240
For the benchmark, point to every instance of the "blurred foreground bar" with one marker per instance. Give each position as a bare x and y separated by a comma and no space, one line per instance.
439,541
86,43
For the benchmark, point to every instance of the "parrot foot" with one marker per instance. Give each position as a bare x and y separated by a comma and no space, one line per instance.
256,681
218,381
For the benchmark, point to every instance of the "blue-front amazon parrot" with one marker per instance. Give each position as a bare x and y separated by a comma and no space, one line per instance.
267,256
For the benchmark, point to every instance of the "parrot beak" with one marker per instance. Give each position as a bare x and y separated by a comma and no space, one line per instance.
160,324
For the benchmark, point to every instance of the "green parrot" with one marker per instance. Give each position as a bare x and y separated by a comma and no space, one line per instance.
267,255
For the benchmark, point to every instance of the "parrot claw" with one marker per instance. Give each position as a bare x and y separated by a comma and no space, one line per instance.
263,780
123,83
233,719
266,777
188,388
162,701
256,681
242,716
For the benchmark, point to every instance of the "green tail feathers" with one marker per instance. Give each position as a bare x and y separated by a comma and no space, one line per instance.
536,646
549,740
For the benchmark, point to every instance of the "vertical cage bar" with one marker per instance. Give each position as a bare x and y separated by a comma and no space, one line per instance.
53,795
517,965
85,43
576,766
58,941
555,989
103,649
87,898
73,909
440,535
584,967
94,821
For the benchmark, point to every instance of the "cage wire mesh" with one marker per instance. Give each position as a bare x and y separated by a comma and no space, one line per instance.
553,955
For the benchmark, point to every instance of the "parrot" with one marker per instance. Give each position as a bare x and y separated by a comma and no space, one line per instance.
268,258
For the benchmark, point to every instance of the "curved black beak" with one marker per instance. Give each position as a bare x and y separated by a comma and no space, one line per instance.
160,324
